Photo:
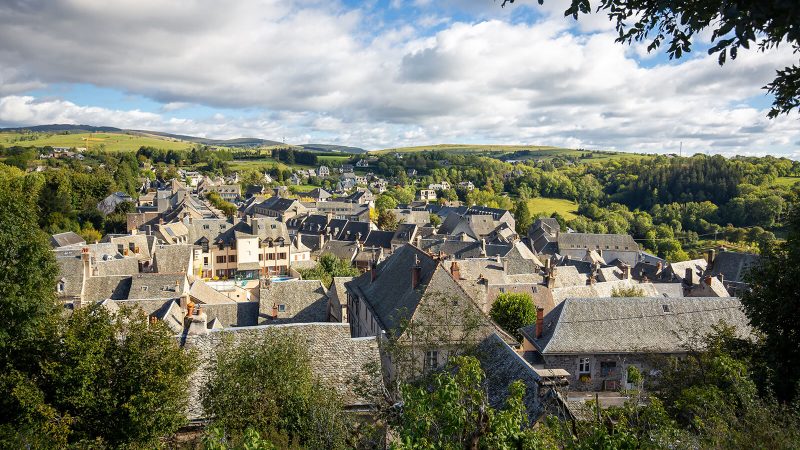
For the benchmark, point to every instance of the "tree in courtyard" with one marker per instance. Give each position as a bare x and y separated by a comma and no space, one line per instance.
387,221
327,267
733,25
512,311
523,217
266,386
122,379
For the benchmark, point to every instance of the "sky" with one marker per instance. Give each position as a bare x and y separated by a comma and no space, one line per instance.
379,74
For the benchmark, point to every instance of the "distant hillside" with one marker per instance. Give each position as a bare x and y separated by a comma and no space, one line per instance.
332,148
54,128
237,142
118,139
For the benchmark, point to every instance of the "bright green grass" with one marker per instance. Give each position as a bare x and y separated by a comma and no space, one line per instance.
465,148
327,159
566,208
114,142
787,181
304,188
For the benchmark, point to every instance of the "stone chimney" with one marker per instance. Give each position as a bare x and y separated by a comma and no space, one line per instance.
418,241
321,240
550,278
689,277
274,310
626,272
198,323
483,247
539,322
659,267
416,273
711,255
709,279
373,273
455,271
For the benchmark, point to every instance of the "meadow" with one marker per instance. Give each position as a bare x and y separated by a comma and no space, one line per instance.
566,208
114,142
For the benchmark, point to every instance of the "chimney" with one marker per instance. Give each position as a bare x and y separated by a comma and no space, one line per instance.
416,273
721,277
659,267
184,302
418,241
591,280
85,257
198,324
483,247
626,272
455,271
689,277
274,310
539,322
709,279
373,273
550,278
711,255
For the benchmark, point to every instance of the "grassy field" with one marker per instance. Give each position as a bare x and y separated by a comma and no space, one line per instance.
114,142
787,181
536,152
327,159
566,208
465,148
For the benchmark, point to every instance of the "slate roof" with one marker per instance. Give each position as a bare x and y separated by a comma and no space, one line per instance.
335,226
101,288
698,267
304,301
342,363
601,289
354,230
596,241
200,291
345,250
172,258
277,204
404,233
502,366
319,194
379,238
733,265
634,325
157,285
116,266
337,292
70,271
64,239
315,223
393,300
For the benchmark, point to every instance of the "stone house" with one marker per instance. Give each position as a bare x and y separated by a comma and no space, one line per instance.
596,339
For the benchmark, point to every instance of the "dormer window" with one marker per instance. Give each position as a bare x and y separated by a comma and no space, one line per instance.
60,286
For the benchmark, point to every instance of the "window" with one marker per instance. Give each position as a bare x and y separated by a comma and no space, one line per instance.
260,257
608,368
131,246
232,258
206,226
204,246
583,366
431,360
281,308
120,248
221,259
205,260
60,286
281,255
666,309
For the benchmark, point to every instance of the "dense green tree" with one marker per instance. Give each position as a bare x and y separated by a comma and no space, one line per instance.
327,267
512,311
523,217
454,412
122,379
772,304
266,385
387,221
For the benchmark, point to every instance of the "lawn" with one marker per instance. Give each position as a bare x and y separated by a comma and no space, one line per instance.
327,159
787,181
566,208
114,142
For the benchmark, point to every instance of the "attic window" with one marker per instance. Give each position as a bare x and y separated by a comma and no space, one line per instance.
206,226
281,308
60,286
144,288
666,308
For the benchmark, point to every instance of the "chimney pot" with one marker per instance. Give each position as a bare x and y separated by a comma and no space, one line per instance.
455,270
689,277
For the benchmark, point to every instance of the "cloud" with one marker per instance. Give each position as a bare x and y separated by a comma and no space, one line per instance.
319,70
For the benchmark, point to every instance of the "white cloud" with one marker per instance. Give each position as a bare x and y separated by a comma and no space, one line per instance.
315,70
